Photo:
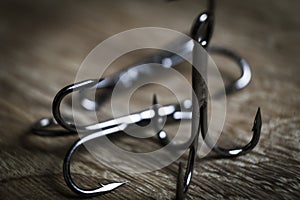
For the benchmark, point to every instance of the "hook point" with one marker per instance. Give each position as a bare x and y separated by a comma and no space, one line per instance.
257,121
154,99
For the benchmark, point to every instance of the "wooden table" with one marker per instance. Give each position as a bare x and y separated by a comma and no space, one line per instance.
43,43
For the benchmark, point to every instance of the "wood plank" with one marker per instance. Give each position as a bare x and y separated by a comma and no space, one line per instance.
42,45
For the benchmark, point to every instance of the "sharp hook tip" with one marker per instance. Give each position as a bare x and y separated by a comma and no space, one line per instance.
154,100
257,121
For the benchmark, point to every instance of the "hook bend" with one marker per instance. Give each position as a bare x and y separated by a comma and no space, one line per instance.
234,152
67,162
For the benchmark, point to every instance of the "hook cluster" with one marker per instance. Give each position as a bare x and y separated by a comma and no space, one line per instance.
201,32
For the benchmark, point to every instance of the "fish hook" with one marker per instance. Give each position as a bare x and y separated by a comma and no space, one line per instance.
207,32
233,152
201,32
67,162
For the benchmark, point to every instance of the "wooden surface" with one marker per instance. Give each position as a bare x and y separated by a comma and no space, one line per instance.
43,43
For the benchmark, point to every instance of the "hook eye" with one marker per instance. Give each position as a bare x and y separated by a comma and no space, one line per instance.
202,28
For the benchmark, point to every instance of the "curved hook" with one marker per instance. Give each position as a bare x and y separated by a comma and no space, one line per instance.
201,32
67,161
234,152
244,67
243,81
60,96
234,86
43,126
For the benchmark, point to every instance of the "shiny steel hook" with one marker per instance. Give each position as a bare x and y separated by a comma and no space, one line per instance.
107,83
242,82
201,32
175,112
67,162
243,65
61,95
234,151
114,126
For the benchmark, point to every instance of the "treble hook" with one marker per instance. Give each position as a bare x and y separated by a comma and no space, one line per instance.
242,82
201,32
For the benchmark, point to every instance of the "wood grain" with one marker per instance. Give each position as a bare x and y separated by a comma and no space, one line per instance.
42,45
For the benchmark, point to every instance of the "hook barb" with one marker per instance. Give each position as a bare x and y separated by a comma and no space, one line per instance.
234,152
104,188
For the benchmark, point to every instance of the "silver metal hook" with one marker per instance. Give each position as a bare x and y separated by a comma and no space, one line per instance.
233,152
110,127
174,111
201,32
108,82
67,162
